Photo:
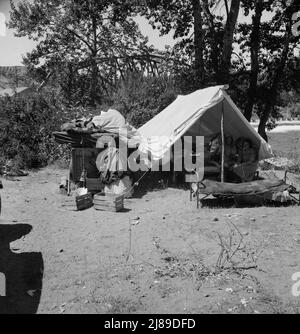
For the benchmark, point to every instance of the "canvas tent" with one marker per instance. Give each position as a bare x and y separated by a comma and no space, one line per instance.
198,114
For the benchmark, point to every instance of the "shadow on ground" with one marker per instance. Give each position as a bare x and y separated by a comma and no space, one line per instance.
229,203
21,273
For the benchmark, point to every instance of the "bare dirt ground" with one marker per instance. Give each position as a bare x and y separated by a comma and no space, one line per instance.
159,256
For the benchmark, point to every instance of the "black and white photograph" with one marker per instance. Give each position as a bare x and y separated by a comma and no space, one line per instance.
150,159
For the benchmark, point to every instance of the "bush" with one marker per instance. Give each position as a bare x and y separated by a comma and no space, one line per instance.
26,130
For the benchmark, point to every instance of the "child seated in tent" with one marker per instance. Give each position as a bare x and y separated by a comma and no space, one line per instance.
212,157
249,154
247,161
230,150
215,149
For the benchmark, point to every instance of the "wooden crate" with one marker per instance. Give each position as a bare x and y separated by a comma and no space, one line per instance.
108,202
78,203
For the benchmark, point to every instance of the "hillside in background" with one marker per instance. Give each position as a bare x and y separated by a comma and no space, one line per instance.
13,76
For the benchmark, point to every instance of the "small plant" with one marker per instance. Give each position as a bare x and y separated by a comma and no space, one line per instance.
235,253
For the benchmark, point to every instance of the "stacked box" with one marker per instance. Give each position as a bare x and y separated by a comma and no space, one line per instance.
78,203
108,202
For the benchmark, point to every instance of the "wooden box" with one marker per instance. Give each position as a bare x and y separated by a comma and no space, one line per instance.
78,203
108,202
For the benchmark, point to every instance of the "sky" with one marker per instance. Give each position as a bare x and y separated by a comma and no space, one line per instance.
11,48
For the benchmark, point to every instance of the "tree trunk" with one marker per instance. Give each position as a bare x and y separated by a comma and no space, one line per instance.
263,122
213,43
224,72
199,41
94,66
94,81
69,88
255,43
272,98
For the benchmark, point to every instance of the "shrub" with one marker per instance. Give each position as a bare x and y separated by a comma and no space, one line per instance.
27,125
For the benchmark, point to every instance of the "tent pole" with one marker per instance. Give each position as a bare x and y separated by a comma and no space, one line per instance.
223,143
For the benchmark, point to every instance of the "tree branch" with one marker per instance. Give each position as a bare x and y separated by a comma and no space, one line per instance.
80,37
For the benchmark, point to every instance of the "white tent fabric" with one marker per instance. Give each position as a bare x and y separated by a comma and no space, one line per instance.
198,114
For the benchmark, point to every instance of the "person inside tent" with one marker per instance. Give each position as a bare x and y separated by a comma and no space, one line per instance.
212,157
248,162
249,153
215,149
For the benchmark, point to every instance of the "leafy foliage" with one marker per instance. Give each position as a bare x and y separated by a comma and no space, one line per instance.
26,129
140,98
273,61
